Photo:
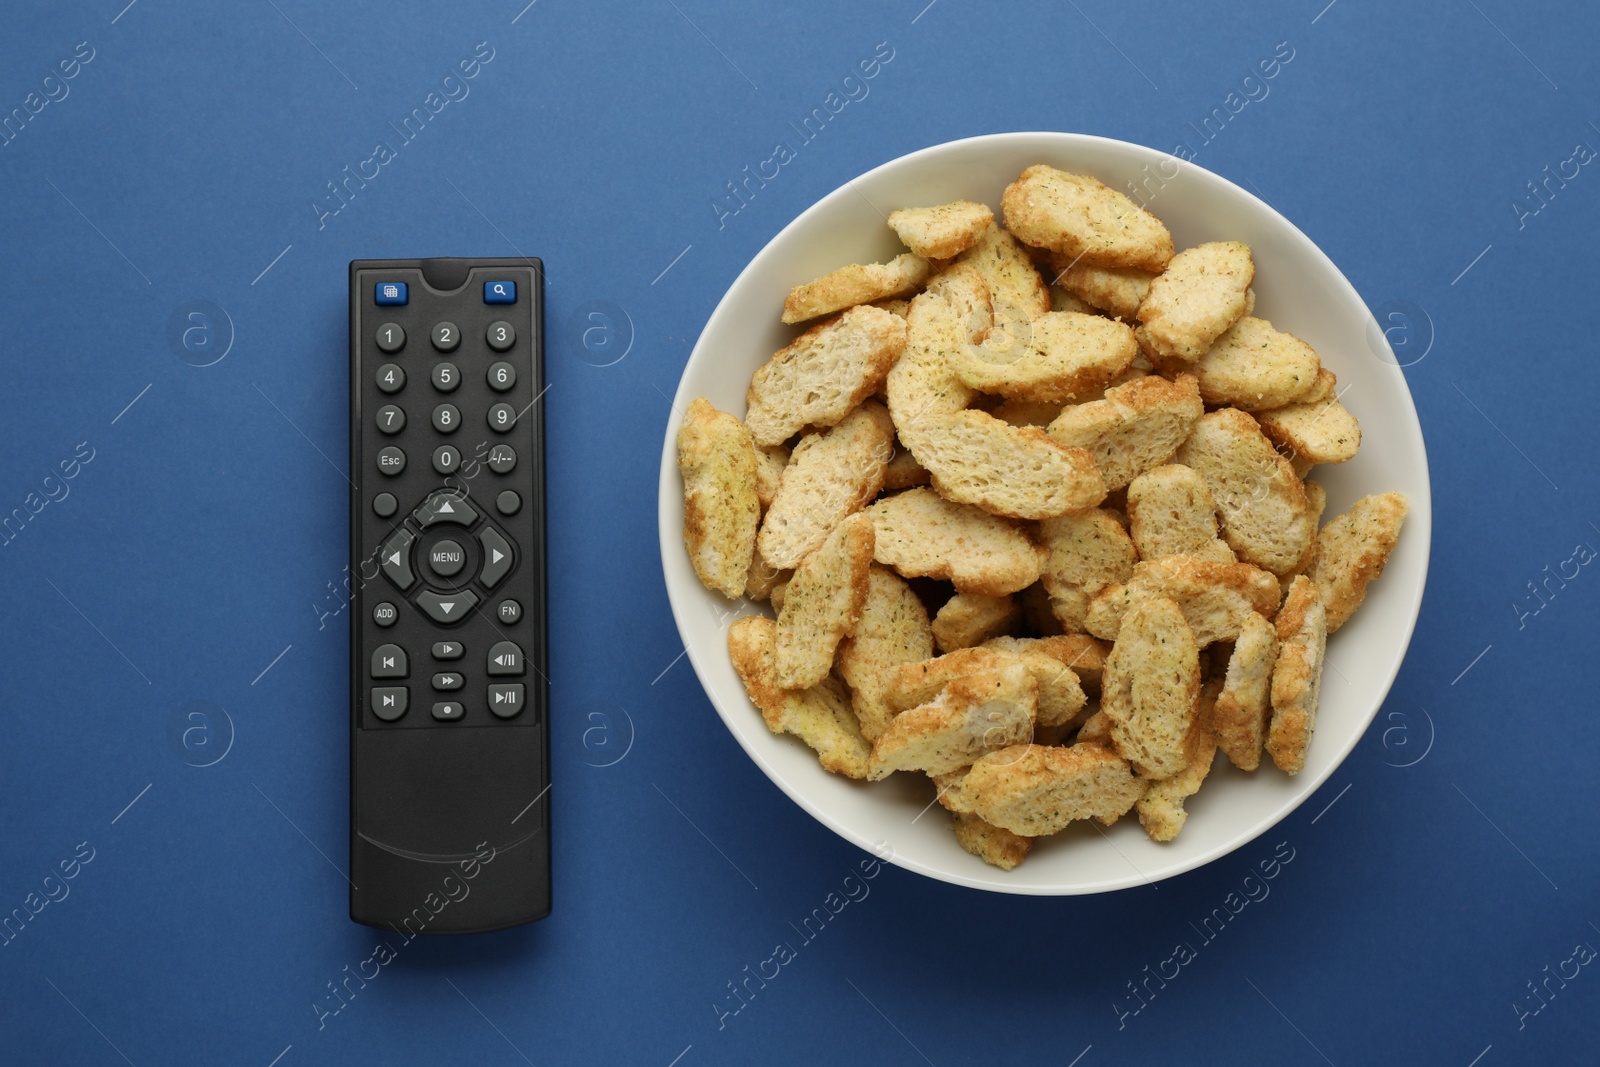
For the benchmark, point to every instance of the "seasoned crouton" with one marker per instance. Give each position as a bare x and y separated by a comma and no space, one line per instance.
721,508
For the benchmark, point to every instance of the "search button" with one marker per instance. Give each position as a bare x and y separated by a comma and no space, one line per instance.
499,292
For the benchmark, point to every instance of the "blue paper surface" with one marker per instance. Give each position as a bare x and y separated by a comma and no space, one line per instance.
175,436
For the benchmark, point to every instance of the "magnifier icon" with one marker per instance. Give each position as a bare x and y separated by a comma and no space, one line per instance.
499,290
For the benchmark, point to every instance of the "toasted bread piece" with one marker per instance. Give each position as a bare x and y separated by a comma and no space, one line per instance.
831,475
904,471
893,630
1326,385
1150,690
1324,432
923,383
1266,518
763,577
1135,427
949,792
859,283
1215,598
941,232
780,591
1083,554
1083,218
922,535
1198,296
824,374
819,716
1035,790
770,462
1016,291
1085,655
898,306
721,509
991,844
1018,412
1352,551
1171,513
1061,696
1318,498
1023,473
1096,730
968,619
961,285
1055,357
1062,300
1302,626
1161,808
974,714
1117,291
1254,367
1239,716
916,683
822,603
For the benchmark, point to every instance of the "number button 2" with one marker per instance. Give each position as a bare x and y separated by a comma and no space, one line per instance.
446,336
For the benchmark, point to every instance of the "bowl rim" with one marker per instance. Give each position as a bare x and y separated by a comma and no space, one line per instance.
671,539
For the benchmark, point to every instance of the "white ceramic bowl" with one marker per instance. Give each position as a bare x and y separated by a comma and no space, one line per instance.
1298,289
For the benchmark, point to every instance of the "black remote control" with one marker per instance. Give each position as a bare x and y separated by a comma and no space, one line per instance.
449,762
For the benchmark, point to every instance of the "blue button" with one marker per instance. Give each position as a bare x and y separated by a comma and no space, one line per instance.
390,292
499,292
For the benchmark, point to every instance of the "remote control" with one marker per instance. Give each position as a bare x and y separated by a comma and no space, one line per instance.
449,763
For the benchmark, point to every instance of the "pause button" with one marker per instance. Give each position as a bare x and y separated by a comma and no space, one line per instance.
506,700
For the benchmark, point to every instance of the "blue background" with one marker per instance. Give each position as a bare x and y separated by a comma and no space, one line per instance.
194,563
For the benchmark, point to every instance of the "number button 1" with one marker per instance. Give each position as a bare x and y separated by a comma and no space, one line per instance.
446,336
391,338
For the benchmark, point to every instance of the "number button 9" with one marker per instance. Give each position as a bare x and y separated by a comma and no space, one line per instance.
446,377
502,376
502,417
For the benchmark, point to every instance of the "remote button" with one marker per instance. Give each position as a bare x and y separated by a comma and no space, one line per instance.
447,682
446,609
499,292
391,378
389,661
395,557
446,336
389,293
391,419
500,335
447,650
446,418
502,376
391,461
506,658
445,507
446,459
446,558
502,417
391,338
502,458
510,611
447,710
446,377
385,615
496,558
389,701
505,700
508,503
385,505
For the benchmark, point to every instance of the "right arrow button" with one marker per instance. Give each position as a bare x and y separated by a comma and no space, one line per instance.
496,557
505,658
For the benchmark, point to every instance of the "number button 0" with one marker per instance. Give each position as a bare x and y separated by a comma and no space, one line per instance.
446,418
391,338
391,378
501,336
446,459
502,376
446,377
502,417
446,336
391,419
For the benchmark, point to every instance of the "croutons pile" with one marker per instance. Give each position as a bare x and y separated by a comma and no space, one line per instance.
1050,545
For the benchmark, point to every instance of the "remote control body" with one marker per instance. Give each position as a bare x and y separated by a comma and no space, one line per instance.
449,763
